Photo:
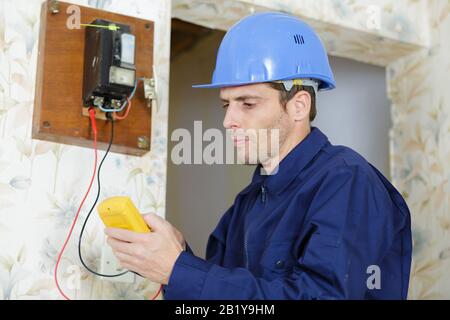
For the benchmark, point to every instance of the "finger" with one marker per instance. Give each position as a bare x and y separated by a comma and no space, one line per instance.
120,246
154,221
123,234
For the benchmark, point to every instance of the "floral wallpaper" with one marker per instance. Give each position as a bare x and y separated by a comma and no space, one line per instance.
400,19
420,144
411,39
41,183
383,30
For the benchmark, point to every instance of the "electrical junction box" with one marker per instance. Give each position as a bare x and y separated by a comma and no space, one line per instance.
77,65
109,64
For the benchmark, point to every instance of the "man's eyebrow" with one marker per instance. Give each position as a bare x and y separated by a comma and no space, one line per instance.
241,98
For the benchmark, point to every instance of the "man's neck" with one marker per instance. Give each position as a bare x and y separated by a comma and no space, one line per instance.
291,142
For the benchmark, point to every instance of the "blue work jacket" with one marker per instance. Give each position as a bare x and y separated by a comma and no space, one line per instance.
327,225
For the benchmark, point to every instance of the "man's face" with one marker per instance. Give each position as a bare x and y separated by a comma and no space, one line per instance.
248,109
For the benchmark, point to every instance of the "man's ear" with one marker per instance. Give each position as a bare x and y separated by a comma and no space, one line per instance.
300,106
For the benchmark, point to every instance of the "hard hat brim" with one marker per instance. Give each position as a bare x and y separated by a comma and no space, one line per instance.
222,85
325,85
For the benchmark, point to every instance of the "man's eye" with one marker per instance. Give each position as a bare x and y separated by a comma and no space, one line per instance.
249,105
225,106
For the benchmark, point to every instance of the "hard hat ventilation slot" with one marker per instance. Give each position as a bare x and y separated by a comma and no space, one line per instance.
299,39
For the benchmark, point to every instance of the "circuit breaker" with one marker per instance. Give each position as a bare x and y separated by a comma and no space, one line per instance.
109,64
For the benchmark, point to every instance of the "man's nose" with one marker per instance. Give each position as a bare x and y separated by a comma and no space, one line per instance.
231,119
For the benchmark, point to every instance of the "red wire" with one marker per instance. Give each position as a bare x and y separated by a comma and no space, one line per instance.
94,129
116,117
157,293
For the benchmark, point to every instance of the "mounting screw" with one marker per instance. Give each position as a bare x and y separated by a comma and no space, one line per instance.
46,124
143,142
54,6
148,26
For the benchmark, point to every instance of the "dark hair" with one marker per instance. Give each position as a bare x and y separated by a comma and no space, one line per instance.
286,96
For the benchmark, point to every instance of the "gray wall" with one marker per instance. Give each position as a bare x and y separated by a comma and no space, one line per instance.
356,114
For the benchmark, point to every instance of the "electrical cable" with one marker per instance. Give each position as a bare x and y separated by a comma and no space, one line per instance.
111,27
125,102
94,129
92,208
117,117
157,293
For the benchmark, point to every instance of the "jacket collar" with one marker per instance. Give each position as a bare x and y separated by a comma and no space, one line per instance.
294,162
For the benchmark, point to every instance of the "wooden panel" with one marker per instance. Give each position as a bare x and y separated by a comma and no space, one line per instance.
58,105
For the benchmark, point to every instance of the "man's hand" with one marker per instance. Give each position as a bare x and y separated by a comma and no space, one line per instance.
151,254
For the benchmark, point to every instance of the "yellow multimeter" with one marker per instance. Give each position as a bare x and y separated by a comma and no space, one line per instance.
120,212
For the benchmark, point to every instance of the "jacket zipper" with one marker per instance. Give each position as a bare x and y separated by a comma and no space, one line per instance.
263,200
263,194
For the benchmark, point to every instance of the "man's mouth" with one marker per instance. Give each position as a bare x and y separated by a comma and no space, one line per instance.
240,140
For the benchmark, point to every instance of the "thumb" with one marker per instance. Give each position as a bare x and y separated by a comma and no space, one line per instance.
154,221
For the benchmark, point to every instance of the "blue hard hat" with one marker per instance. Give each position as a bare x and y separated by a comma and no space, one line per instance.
270,46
